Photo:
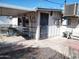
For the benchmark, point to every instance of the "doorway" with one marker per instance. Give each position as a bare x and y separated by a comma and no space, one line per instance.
44,25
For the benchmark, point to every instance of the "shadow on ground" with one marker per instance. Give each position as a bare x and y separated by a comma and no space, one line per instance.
33,53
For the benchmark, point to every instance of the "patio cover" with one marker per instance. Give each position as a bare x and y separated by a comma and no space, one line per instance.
11,10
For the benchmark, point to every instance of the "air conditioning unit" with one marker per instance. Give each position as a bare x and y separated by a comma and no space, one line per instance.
71,10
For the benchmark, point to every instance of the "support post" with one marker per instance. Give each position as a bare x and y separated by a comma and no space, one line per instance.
37,36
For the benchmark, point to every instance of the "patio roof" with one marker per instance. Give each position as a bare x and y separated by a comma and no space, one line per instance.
48,9
11,10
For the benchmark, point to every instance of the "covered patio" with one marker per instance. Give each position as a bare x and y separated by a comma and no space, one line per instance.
20,18
39,23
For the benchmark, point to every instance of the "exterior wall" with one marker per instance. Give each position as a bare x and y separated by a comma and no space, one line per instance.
76,29
54,24
53,28
73,27
71,10
32,23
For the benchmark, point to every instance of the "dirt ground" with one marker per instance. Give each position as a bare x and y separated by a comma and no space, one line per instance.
34,53
52,48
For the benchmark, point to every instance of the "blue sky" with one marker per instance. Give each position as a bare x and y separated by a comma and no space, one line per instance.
34,4
37,3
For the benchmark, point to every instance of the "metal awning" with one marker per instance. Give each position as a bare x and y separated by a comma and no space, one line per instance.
12,10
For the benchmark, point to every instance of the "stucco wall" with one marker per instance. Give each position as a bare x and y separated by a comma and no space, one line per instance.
54,24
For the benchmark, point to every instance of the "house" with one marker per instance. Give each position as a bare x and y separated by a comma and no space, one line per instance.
71,14
38,23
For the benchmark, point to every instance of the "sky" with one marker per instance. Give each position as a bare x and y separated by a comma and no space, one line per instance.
58,4
38,3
